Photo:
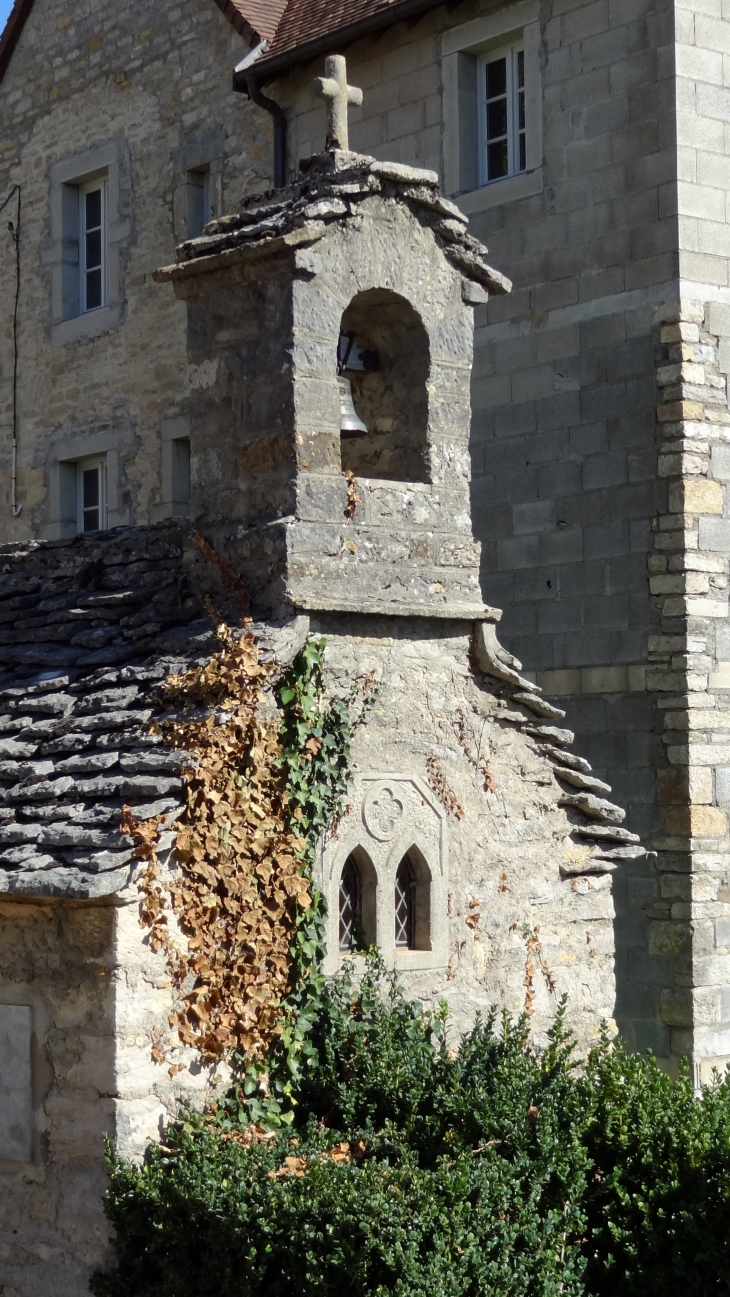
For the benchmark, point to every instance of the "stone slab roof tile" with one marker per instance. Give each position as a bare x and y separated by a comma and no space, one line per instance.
333,187
75,741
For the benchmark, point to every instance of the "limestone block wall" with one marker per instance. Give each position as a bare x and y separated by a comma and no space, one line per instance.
265,316
59,961
96,996
523,905
702,63
689,581
152,84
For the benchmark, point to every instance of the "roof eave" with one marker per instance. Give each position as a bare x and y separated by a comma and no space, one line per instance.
11,34
238,22
273,65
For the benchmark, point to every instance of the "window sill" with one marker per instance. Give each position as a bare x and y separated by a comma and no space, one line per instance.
501,191
82,328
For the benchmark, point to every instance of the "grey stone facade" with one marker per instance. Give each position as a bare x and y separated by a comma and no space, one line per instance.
462,767
589,500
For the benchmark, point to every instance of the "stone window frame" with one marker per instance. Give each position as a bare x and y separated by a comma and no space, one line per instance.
204,154
108,160
460,50
173,429
62,501
383,860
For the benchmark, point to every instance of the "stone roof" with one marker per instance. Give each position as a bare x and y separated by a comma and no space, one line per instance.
88,628
332,188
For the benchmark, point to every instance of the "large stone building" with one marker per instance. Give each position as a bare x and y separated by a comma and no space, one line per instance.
585,140
475,849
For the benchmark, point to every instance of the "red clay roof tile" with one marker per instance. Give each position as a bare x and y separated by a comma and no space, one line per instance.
304,20
287,25
310,27
256,20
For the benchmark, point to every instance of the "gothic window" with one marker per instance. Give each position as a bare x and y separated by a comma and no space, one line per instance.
350,905
405,906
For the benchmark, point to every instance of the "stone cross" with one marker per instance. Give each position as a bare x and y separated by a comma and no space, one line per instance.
334,88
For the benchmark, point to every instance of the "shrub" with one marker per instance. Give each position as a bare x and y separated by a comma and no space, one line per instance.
417,1171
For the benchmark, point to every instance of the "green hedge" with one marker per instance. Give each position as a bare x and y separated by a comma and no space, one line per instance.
491,1170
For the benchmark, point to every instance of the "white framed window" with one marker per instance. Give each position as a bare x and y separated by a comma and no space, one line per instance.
91,224
91,494
502,118
492,106
93,245
199,208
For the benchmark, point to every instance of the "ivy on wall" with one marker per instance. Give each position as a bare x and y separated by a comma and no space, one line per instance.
239,925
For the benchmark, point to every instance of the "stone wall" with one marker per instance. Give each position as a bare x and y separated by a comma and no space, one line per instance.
564,464
524,849
98,999
153,83
520,895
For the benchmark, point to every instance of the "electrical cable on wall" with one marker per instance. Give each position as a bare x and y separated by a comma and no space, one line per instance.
14,228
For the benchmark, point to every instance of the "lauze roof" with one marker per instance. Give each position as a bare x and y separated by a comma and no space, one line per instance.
294,29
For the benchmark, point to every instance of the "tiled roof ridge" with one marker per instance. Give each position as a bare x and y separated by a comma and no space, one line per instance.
597,823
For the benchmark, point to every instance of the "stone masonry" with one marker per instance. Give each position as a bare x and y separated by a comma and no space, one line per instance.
617,237
462,765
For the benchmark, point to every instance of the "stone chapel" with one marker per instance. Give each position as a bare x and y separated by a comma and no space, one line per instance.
227,350
333,320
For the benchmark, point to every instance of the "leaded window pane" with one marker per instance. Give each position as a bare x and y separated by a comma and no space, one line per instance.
405,906
350,905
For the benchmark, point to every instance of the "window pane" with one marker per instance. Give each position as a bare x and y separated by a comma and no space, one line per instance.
350,905
497,160
91,488
405,906
91,520
93,290
496,78
523,154
93,209
93,249
521,112
521,69
496,119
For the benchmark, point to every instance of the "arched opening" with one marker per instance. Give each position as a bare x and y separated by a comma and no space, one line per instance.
356,903
412,902
384,354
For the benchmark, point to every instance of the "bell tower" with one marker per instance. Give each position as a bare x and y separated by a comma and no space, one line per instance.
330,329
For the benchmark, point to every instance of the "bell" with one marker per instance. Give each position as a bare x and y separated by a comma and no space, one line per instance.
349,422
